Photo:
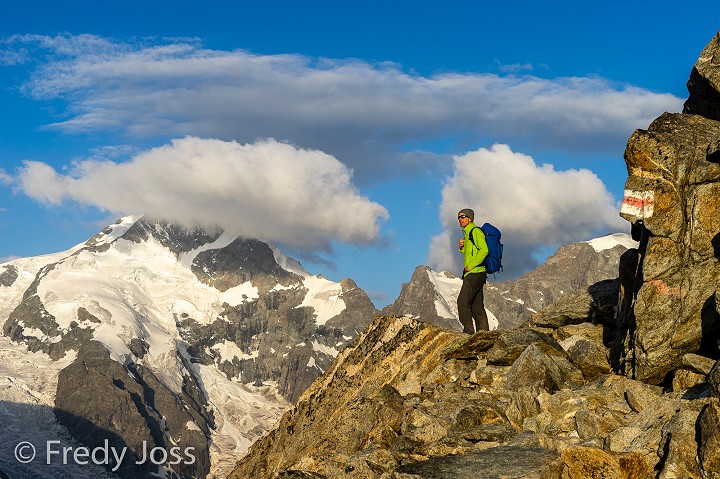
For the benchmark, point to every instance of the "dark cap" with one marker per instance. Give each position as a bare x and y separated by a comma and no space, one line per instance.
469,213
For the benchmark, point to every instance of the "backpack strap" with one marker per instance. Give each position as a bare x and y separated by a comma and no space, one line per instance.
470,235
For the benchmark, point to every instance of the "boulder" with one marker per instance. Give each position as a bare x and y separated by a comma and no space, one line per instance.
510,344
596,424
593,332
678,447
582,462
596,304
476,345
644,432
587,355
698,364
640,395
684,379
537,370
709,432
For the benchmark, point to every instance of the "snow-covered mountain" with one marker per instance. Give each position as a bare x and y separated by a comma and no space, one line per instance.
432,295
150,335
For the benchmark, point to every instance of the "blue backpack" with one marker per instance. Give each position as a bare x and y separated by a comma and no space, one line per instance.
493,262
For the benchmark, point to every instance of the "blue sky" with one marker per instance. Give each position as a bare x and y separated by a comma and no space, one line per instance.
348,132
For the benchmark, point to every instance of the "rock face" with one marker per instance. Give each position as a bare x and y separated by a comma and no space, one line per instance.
573,267
704,83
9,275
174,338
100,400
672,195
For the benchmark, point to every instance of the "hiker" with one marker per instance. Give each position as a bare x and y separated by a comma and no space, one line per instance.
470,302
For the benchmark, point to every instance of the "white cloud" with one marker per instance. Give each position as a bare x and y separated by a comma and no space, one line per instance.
363,113
515,67
269,190
115,151
5,179
534,206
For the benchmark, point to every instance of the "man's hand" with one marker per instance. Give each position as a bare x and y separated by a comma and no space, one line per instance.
462,243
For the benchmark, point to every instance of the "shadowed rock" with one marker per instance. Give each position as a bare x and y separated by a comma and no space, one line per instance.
497,463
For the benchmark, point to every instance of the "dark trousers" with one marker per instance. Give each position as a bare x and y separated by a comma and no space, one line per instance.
471,303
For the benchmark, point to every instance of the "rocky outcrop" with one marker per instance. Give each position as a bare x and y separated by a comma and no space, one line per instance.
174,237
359,310
409,400
31,317
704,83
9,275
672,195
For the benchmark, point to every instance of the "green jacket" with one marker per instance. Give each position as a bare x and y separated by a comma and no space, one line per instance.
475,253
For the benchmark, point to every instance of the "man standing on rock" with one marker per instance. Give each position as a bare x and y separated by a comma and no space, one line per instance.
470,302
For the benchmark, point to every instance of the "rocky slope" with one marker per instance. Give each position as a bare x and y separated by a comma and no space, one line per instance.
618,380
156,336
432,296
410,400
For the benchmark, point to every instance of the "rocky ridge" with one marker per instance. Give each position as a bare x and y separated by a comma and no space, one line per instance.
431,295
410,400
619,380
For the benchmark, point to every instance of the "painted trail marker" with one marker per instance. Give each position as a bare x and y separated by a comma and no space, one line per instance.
639,204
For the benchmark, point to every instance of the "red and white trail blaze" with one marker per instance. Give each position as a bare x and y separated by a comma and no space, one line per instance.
639,204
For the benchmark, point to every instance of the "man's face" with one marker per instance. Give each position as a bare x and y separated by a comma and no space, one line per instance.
463,220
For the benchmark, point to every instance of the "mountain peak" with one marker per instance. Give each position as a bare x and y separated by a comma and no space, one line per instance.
610,241
184,316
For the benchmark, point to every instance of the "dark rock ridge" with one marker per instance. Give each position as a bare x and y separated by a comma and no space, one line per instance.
176,238
9,275
571,268
99,399
617,380
241,261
